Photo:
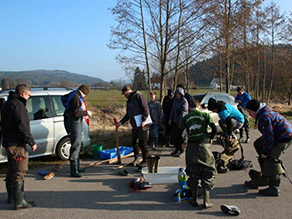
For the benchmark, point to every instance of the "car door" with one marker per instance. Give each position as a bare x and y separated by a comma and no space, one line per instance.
41,124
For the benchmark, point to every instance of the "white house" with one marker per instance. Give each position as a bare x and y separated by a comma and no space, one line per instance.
215,83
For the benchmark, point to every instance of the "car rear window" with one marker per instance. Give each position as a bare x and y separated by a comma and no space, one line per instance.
58,106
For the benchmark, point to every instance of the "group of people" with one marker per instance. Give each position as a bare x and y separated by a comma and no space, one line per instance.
16,135
183,121
183,117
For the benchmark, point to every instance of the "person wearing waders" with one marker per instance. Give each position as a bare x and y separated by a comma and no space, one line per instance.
200,162
16,136
136,105
156,116
73,117
276,137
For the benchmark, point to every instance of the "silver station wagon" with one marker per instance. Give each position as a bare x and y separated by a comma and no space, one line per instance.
45,111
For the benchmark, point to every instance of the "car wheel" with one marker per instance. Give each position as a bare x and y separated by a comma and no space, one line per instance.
63,148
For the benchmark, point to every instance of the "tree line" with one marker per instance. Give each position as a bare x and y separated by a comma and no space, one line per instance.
242,37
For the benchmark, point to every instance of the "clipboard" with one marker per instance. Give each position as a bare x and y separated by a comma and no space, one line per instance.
138,120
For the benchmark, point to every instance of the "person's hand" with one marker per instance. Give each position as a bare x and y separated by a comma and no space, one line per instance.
264,156
89,113
143,124
34,147
118,124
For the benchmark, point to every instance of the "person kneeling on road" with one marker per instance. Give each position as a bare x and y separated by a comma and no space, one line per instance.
200,161
276,137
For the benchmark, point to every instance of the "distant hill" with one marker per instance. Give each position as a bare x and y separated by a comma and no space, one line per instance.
50,77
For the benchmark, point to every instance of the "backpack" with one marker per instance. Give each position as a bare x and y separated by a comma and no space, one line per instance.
67,98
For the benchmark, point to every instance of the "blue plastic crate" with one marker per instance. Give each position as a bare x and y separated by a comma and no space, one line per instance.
112,153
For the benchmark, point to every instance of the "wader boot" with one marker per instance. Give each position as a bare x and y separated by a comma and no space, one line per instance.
80,170
194,200
9,191
206,198
19,201
74,169
256,182
273,189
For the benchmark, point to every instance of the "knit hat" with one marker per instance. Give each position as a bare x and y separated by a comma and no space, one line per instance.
253,105
212,104
126,88
169,92
84,88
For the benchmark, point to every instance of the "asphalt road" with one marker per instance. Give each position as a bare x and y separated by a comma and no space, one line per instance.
102,193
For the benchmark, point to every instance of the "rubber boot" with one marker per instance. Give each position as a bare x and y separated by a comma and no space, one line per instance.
257,182
9,191
254,174
80,170
273,189
194,200
19,201
206,198
74,169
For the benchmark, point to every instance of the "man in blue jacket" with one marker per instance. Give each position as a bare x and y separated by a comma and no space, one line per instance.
242,98
276,137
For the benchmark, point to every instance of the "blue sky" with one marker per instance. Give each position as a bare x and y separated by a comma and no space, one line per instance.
62,34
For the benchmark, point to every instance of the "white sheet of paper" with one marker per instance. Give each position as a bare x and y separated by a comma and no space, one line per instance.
138,120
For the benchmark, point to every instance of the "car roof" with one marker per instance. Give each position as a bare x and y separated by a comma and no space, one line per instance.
37,91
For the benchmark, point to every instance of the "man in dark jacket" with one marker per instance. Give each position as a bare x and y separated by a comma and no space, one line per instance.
179,109
73,117
16,135
276,137
136,107
166,107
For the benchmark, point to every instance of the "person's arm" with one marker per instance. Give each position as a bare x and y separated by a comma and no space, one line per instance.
266,128
76,104
144,106
160,115
22,121
213,130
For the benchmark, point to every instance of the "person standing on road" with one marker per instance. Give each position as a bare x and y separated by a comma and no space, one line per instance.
156,116
166,107
179,109
276,137
136,106
73,117
188,97
242,98
200,162
16,136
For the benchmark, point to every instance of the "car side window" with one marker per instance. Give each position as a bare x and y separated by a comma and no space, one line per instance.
58,106
38,107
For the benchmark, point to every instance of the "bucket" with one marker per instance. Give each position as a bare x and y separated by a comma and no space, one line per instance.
96,148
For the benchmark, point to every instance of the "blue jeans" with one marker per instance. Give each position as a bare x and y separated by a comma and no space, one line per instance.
154,131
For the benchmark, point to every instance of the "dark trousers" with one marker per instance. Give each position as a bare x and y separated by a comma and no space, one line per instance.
246,124
141,135
234,125
74,129
17,164
177,138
